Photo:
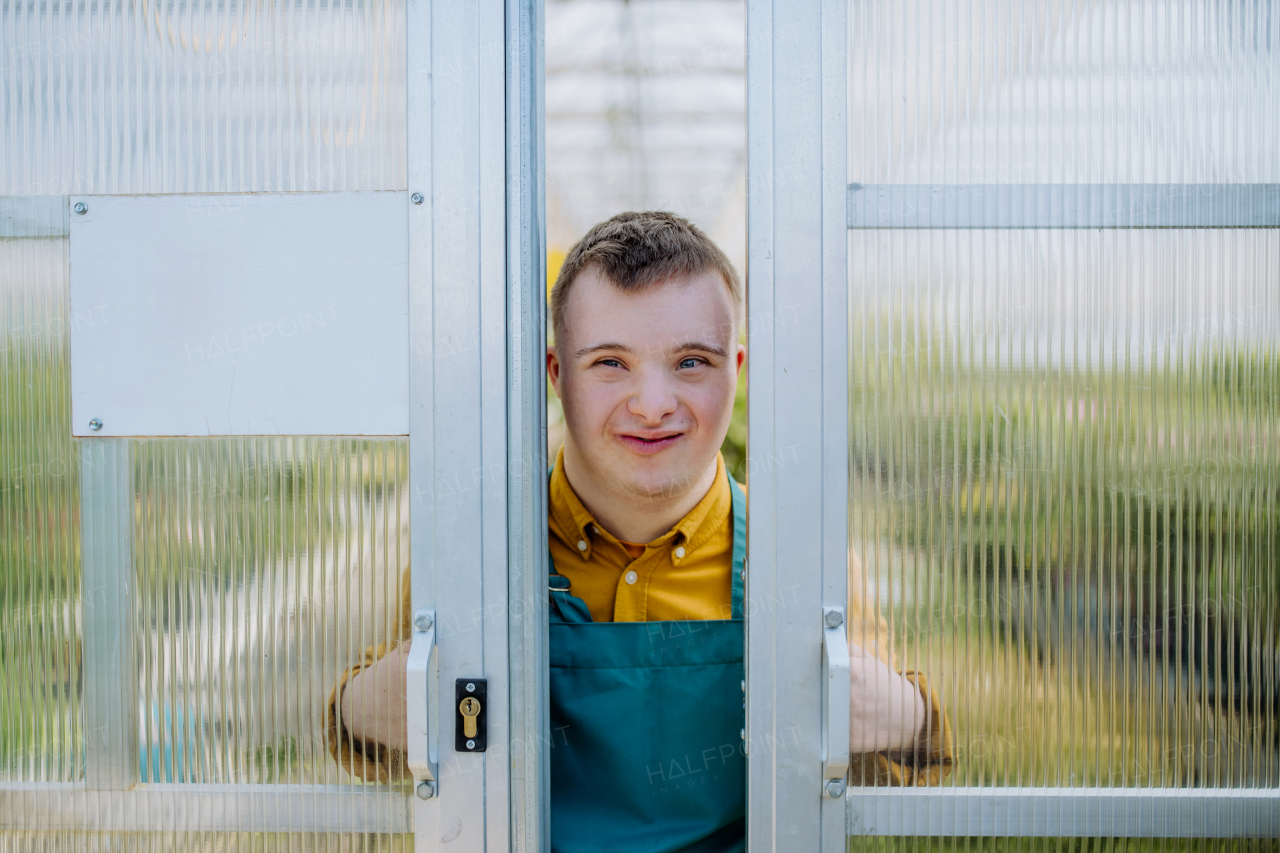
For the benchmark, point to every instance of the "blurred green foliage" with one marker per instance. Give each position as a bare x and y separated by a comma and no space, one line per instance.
735,441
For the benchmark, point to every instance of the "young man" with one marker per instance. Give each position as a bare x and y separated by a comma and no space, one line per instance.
647,534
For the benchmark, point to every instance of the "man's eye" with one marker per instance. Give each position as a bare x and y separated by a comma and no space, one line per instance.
609,362
690,362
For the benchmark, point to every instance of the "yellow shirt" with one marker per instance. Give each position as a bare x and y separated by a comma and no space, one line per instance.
685,573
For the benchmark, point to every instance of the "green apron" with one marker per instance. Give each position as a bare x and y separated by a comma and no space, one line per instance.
646,726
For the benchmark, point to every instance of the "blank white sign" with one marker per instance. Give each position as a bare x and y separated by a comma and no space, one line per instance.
257,314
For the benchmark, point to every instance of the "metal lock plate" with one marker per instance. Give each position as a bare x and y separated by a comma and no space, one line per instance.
471,715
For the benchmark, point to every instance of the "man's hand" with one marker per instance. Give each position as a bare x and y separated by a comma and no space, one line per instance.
886,711
373,703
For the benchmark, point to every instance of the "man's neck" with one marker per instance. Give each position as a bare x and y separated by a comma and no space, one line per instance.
631,517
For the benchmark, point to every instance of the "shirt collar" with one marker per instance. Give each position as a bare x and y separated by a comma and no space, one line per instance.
577,526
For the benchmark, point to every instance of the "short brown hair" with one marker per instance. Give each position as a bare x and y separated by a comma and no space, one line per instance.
637,251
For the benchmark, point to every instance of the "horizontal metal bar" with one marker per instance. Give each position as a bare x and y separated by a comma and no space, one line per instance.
1064,206
33,216
206,808
1066,812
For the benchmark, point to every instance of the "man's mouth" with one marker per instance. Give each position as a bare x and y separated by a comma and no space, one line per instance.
647,445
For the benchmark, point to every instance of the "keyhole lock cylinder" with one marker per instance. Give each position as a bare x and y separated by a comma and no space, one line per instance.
471,728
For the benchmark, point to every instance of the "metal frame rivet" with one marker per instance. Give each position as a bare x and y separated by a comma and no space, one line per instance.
416,198
95,424
80,208
425,790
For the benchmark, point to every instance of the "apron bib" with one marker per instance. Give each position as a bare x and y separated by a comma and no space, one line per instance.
646,722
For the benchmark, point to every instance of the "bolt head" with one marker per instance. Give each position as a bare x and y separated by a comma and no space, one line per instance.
416,198
834,619
835,788
80,208
95,424
471,744
423,621
471,687
425,790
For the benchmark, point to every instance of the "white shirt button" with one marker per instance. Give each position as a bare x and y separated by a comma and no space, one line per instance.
582,544
631,577
680,551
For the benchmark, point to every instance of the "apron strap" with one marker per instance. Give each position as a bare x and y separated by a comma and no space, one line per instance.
567,607
738,502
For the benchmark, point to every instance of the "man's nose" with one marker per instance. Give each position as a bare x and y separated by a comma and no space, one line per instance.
653,398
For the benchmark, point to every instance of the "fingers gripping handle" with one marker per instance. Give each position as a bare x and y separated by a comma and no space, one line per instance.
835,697
418,689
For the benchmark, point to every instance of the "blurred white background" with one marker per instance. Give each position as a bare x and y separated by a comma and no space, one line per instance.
646,109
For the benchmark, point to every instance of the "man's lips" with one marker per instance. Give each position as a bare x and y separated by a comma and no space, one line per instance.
649,445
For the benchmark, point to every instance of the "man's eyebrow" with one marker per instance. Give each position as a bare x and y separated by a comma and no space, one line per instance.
602,347
701,347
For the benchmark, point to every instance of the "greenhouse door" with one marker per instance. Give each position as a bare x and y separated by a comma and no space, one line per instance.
1014,335
273,406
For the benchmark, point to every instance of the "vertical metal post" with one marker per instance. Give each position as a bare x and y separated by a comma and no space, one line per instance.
458,391
797,366
526,428
418,89
106,591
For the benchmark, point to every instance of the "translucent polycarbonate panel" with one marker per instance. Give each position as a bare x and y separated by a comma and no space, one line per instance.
1060,845
211,842
265,569
1065,492
224,96
41,736
1063,91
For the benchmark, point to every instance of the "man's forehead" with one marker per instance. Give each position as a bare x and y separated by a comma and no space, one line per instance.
669,316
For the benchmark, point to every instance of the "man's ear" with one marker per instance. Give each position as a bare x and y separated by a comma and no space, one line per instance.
742,358
553,369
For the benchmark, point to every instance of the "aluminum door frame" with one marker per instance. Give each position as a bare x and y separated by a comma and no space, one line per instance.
797,456
477,434
798,210
527,463
477,468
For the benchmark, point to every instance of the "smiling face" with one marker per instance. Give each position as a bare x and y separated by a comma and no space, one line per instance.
647,380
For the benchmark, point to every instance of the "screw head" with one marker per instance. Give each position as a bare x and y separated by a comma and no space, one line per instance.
471,744
471,687
425,790
95,424
80,208
834,619
835,788
422,620
416,198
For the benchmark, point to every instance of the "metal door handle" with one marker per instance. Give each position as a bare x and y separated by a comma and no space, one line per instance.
419,696
835,700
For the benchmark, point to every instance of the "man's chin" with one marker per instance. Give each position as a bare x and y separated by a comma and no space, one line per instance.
663,483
